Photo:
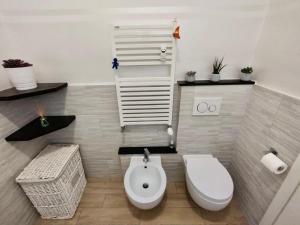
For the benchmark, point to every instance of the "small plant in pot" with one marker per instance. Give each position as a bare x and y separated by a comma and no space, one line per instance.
190,76
246,73
20,74
217,68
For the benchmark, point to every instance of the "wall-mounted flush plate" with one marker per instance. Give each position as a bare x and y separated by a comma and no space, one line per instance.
207,106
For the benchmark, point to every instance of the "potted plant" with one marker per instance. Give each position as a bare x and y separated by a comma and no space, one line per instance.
246,73
20,74
217,67
190,76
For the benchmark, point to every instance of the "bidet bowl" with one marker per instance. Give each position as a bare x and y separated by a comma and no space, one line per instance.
145,184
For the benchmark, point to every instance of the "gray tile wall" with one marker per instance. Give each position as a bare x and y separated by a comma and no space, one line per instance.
211,134
97,127
271,120
15,208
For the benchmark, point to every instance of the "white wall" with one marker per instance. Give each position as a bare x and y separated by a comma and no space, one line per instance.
70,40
278,53
3,54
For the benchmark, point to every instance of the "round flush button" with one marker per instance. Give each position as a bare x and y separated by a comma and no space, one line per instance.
212,108
202,107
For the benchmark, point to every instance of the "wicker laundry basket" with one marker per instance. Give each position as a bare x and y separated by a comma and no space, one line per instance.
54,181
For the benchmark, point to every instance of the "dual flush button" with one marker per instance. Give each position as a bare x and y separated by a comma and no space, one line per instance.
207,106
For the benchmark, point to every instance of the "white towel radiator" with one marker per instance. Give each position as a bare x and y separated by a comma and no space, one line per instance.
145,100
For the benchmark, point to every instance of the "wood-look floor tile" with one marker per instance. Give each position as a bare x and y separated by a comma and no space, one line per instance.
235,212
105,203
116,178
97,180
91,200
175,200
215,217
113,179
116,201
230,215
240,222
174,216
104,187
217,223
180,187
111,216
171,188
72,221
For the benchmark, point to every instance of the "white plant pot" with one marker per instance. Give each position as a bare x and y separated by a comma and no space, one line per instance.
22,78
190,78
215,77
246,76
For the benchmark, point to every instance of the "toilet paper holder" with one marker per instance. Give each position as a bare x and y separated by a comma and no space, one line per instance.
271,150
273,163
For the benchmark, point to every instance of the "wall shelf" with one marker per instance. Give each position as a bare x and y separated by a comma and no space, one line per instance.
221,82
34,129
42,88
152,150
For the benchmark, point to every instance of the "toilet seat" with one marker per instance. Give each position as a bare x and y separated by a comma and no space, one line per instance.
210,179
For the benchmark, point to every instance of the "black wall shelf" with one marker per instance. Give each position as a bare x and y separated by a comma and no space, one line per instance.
42,88
34,129
152,150
221,82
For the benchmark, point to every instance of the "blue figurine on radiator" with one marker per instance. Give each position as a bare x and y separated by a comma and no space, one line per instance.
115,63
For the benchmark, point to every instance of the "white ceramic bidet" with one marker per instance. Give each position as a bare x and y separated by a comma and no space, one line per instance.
145,181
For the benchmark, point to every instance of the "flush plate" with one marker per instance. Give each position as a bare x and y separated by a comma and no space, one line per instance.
208,106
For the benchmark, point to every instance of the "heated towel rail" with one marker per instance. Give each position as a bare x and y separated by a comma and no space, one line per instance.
145,100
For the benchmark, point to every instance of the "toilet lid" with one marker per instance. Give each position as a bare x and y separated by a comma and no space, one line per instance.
210,178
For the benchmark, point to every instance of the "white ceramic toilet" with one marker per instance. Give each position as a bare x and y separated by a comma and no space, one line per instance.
208,182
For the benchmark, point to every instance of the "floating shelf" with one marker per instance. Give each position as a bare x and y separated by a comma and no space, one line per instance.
42,88
152,150
209,82
34,129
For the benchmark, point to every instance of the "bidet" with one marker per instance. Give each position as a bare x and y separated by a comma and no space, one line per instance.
145,182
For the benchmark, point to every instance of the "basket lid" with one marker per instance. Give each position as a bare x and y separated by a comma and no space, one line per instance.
48,164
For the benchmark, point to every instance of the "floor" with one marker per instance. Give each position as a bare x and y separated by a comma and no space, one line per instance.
105,203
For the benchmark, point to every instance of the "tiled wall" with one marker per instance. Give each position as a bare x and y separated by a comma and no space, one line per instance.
211,134
15,208
97,127
205,134
271,120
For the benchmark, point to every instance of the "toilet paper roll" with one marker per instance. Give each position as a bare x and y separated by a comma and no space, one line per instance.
273,163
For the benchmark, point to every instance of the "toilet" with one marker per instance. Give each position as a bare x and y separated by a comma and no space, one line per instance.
208,182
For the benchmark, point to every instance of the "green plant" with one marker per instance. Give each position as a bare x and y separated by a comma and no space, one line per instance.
190,73
218,66
15,63
247,70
